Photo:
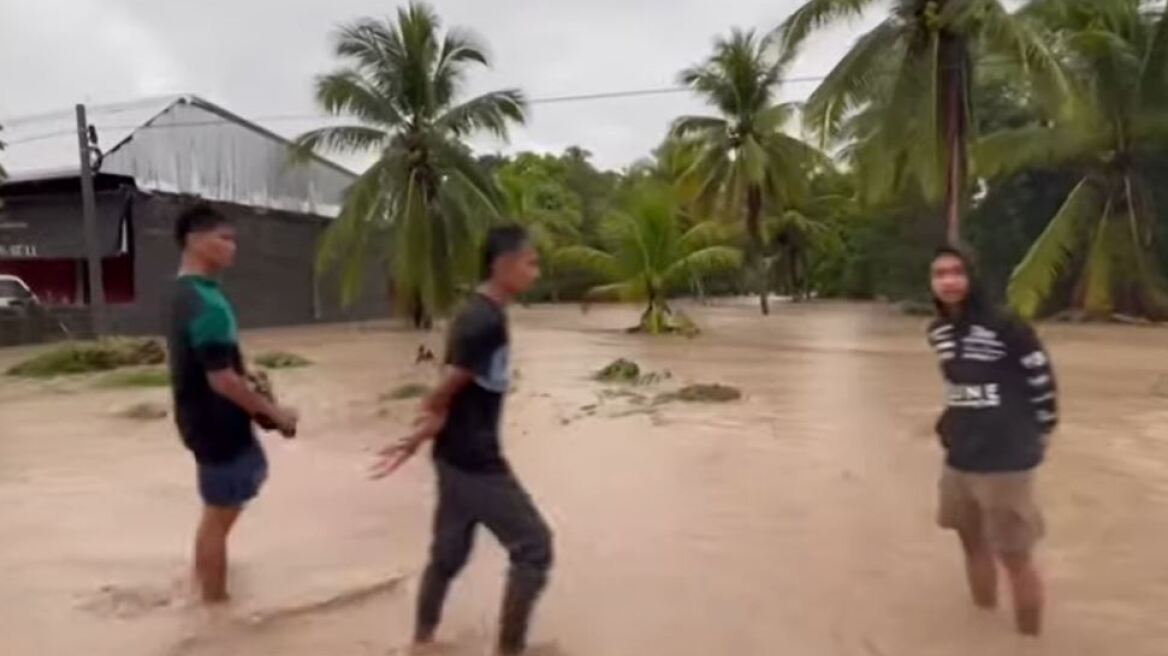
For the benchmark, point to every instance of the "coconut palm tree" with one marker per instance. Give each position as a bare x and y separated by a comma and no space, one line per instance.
425,198
647,256
903,94
1101,238
745,161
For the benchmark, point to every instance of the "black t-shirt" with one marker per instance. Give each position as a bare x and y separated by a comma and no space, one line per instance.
477,343
202,337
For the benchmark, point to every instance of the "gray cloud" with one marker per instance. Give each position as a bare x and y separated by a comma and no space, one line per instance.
258,57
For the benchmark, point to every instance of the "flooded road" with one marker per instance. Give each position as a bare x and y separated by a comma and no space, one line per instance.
796,521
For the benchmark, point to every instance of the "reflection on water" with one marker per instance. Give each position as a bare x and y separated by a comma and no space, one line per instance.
796,521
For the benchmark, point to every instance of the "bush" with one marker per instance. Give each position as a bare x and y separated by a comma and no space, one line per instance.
703,393
619,371
90,357
281,360
407,391
137,378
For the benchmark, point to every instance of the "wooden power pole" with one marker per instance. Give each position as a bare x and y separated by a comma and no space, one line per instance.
89,216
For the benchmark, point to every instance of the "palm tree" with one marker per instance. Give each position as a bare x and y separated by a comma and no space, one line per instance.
547,209
1102,236
745,161
647,257
425,199
903,94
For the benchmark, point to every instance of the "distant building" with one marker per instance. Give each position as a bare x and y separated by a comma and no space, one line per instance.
160,156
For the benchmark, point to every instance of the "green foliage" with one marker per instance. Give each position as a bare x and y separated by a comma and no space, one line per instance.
89,357
647,257
899,103
406,391
281,360
740,163
137,378
1102,238
424,202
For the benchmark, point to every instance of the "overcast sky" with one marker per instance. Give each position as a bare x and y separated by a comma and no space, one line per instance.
258,57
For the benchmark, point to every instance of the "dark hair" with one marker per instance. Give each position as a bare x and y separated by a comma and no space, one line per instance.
975,304
197,218
502,240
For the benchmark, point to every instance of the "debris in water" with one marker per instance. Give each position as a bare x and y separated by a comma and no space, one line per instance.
702,393
145,411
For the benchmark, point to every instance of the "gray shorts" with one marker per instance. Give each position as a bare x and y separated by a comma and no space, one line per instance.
233,483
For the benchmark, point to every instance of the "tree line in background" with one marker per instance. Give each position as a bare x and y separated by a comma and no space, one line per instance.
1031,136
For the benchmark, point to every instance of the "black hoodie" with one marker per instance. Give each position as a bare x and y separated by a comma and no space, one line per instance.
1000,389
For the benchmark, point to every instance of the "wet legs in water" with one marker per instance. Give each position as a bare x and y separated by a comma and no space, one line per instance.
211,552
1025,581
498,502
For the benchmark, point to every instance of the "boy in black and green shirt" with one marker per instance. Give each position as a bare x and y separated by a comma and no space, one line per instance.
214,407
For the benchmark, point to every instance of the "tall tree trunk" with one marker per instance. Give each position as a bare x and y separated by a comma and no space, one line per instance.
954,66
755,247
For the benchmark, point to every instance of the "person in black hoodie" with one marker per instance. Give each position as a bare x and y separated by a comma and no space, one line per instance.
1001,406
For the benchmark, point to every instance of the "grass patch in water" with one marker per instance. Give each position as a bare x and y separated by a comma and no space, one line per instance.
90,357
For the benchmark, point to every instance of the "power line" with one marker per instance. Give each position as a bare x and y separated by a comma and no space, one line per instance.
547,100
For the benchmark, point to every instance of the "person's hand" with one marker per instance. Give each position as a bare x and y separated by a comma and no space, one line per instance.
392,457
286,420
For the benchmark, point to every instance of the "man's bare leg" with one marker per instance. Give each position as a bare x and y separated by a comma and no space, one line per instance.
211,552
1028,592
980,569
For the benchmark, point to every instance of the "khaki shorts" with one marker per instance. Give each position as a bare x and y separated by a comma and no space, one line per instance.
998,506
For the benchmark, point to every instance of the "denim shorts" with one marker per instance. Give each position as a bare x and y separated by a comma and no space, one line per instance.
233,483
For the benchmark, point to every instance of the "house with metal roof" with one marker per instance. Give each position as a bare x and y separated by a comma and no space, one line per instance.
153,158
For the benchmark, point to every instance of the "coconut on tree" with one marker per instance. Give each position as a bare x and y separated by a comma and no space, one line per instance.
745,163
648,257
901,98
1099,245
425,200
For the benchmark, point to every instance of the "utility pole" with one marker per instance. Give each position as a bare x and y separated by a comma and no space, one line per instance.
89,216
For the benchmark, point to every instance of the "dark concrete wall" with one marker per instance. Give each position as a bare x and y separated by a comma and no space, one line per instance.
272,283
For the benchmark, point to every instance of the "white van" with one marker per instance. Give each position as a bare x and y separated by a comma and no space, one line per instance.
14,293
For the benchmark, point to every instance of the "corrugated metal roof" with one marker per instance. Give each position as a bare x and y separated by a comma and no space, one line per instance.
179,144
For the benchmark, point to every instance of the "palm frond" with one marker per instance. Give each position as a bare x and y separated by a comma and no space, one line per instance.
1155,75
1051,254
588,260
491,112
701,264
1010,151
347,92
688,126
625,292
362,226
856,79
340,139
814,15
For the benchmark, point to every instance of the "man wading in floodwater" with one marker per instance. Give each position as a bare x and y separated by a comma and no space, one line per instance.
214,406
1000,410
475,484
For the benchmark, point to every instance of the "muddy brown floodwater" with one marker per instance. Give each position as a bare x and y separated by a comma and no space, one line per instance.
797,520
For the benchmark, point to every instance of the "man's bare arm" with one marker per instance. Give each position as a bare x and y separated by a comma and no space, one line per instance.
439,399
232,386
426,427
